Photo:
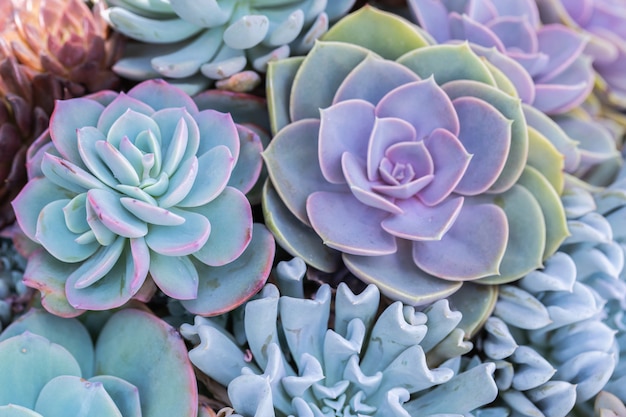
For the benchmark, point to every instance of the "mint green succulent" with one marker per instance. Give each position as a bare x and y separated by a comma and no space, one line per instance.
195,42
138,367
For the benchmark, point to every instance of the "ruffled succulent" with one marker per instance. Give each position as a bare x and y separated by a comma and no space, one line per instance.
193,42
289,362
138,367
555,77
603,23
137,189
419,173
14,295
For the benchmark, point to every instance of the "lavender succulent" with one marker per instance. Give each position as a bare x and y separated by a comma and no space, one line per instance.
138,190
193,42
419,170
603,22
366,365
561,77
138,367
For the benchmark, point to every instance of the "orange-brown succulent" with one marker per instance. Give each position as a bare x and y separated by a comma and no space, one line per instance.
49,50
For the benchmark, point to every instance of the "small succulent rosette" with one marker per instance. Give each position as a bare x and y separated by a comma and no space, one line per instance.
15,297
137,367
603,23
139,190
549,68
411,162
193,43
66,47
285,359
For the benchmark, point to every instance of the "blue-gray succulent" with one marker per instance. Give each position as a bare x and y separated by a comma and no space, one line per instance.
286,360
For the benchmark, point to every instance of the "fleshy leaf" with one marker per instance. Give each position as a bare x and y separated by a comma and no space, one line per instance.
223,288
402,279
161,373
472,248
400,36
294,236
36,360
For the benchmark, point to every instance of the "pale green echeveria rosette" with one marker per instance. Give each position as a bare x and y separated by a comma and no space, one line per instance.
137,367
419,171
193,43
139,190
287,360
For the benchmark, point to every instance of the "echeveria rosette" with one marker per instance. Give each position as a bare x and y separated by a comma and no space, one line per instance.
416,171
603,22
129,190
561,77
137,367
193,43
286,360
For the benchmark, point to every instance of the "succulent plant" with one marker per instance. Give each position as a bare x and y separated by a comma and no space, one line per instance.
551,55
548,342
604,222
287,361
561,325
191,43
49,50
129,190
63,38
419,170
14,295
602,22
137,367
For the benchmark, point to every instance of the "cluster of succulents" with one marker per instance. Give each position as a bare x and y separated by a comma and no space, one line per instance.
313,208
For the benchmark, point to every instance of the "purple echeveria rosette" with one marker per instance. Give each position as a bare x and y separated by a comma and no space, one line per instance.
129,190
604,23
414,170
549,69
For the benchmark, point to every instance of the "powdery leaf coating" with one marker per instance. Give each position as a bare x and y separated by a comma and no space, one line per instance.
297,365
195,42
428,161
61,371
132,187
